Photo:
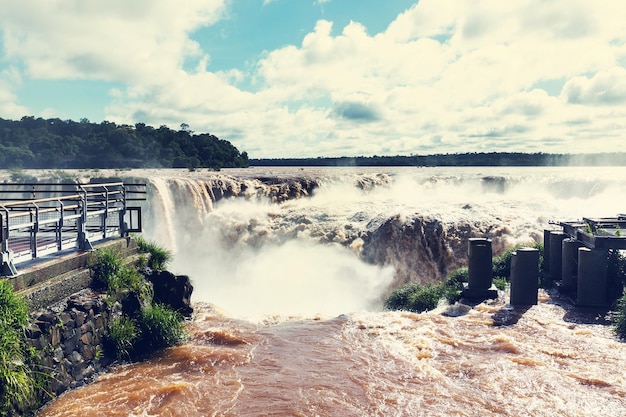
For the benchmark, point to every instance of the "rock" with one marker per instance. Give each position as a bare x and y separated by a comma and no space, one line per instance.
133,303
457,310
172,290
33,331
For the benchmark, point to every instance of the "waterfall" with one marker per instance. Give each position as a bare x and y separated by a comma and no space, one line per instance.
289,267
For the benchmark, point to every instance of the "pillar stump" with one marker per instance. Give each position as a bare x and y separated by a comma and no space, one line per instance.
524,277
592,278
480,280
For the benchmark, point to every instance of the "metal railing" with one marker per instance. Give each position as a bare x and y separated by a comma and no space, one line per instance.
37,219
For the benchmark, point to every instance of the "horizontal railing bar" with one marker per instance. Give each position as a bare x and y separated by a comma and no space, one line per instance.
43,200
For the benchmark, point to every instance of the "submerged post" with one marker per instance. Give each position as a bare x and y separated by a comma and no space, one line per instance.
524,277
480,280
592,278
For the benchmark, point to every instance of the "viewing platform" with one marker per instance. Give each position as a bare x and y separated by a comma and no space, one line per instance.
48,230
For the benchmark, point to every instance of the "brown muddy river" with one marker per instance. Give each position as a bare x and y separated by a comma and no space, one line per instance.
541,363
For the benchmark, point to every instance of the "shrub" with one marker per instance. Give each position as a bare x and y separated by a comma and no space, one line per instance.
105,265
128,279
399,298
159,256
458,277
161,327
16,378
13,309
454,284
419,298
501,265
425,298
123,333
500,282
619,320
616,274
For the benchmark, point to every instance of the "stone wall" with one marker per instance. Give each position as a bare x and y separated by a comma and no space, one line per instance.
70,339
70,336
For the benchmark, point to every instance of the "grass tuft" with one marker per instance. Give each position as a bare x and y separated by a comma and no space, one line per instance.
123,333
159,256
161,327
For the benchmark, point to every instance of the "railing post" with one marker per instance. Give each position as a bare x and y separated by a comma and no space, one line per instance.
83,241
6,256
105,215
33,231
122,214
59,228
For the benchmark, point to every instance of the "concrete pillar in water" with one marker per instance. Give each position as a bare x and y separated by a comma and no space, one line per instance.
546,251
480,283
556,239
524,276
479,265
592,278
569,264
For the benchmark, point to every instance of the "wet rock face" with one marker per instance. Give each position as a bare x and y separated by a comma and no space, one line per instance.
417,248
172,290
421,249
280,190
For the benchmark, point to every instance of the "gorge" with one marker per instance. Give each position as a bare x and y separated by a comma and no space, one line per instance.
290,267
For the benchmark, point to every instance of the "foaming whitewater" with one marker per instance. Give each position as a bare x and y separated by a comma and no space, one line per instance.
290,267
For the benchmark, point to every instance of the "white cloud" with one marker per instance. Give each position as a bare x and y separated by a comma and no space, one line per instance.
446,76
402,91
113,40
10,79
607,87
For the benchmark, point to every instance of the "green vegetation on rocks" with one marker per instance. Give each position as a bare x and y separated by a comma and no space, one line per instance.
159,257
144,326
160,327
123,334
419,298
17,380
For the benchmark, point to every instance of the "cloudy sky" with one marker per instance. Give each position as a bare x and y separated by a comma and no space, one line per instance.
298,78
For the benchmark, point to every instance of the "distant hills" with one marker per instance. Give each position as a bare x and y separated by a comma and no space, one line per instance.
64,144
462,159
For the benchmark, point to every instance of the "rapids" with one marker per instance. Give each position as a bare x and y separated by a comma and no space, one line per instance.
290,267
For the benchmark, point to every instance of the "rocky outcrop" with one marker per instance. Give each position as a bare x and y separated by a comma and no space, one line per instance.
418,249
172,290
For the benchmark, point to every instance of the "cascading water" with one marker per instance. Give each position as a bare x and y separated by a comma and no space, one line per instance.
295,264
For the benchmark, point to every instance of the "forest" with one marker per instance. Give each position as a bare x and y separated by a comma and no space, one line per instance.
65,144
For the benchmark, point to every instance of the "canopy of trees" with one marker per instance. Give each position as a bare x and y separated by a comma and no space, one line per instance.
54,143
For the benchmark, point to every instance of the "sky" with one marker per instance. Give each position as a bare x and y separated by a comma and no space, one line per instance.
309,78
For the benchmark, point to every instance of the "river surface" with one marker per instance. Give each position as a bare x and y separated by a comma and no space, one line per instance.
288,317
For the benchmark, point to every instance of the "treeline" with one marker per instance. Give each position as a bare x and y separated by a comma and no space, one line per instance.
64,144
463,159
